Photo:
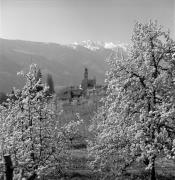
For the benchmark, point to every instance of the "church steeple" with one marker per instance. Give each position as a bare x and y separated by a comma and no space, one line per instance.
86,73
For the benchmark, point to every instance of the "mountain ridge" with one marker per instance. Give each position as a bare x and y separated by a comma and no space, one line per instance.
66,64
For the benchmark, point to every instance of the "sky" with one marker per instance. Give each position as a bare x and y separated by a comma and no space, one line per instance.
68,21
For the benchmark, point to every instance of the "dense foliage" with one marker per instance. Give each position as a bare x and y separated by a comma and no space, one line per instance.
137,120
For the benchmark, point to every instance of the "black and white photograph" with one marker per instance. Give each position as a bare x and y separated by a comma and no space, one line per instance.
87,89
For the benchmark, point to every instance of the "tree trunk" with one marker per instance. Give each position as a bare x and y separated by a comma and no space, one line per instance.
153,172
8,167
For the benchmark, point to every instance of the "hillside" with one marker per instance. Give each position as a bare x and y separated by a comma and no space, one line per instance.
65,62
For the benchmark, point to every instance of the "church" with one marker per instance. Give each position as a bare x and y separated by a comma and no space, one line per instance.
72,92
87,83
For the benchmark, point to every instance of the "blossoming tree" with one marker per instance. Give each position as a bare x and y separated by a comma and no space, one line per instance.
137,120
30,132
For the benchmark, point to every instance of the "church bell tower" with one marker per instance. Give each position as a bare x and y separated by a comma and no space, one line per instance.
86,73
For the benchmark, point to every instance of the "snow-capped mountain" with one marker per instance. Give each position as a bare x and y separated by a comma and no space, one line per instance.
96,45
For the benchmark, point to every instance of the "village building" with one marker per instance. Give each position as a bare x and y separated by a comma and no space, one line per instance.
87,83
73,92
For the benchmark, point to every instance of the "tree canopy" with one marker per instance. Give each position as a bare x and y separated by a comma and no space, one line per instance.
3,97
50,84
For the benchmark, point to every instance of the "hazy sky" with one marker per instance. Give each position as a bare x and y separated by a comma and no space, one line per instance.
67,21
